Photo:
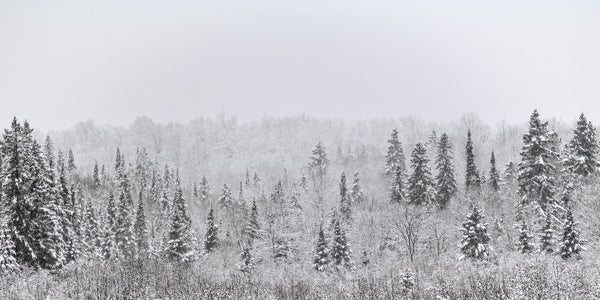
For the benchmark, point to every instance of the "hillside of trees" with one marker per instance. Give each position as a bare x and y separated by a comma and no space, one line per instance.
301,208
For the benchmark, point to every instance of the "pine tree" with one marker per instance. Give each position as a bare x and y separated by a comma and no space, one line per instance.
96,176
473,179
547,236
49,152
71,162
252,230
475,238
356,194
256,180
321,257
225,200
445,179
494,180
345,209
583,148
340,251
318,165
109,248
395,155
510,172
525,238
536,169
179,245
571,244
420,184
124,238
29,198
92,231
211,239
397,189
204,190
247,180
195,193
247,264
140,228
8,256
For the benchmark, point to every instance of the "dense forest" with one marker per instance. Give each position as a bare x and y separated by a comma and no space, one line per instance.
301,208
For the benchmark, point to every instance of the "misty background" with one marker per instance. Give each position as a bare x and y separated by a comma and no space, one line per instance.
64,61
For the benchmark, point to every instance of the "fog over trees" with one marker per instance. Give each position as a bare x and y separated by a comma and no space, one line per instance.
301,207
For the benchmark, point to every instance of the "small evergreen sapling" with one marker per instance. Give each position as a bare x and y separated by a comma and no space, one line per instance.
475,238
321,257
571,243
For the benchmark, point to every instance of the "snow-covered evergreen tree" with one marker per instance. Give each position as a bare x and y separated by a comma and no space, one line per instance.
211,239
252,230
247,261
571,244
340,251
356,194
318,165
445,179
475,238
140,228
71,162
525,244
420,184
395,155
124,238
321,257
536,169
96,175
92,231
510,172
547,236
8,256
583,149
397,188
494,180
225,199
179,245
345,208
204,190
472,177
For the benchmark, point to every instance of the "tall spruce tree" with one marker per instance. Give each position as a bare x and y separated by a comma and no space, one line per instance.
583,149
420,184
340,251
179,245
494,180
445,179
29,199
395,155
536,169
473,178
321,258
356,194
140,228
345,208
318,165
252,230
475,238
211,239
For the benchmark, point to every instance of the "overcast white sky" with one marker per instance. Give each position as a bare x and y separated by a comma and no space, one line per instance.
67,61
